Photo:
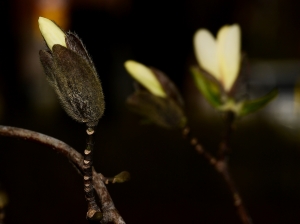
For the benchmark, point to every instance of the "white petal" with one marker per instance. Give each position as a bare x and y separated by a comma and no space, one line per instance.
51,33
229,51
206,52
145,77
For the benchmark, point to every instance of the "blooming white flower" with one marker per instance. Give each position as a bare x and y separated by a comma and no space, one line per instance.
145,76
51,33
220,57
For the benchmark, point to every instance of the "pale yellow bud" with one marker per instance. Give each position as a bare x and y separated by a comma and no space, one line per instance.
145,77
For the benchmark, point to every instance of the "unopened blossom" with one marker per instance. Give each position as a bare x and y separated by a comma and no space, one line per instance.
72,74
145,76
156,97
220,56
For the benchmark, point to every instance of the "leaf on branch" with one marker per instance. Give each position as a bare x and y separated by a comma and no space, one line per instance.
250,106
209,89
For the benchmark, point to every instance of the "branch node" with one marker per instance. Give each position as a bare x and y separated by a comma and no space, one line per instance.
94,215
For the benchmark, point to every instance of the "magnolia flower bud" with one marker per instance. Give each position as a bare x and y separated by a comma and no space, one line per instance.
71,72
145,77
156,97
220,56
163,112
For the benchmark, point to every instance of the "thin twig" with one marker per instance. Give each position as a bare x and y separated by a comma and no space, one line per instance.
110,213
223,153
94,213
220,164
198,147
222,167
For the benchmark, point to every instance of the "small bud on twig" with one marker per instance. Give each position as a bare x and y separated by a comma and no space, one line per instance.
121,177
145,77
156,97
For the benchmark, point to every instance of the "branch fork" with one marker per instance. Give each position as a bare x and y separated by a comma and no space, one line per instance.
109,211
220,164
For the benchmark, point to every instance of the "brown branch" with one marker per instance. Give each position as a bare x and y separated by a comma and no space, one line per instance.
110,213
220,164
222,167
198,147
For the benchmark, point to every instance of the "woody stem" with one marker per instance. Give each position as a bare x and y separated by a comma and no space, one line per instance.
220,164
222,167
93,213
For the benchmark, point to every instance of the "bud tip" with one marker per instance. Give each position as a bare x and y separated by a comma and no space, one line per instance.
52,33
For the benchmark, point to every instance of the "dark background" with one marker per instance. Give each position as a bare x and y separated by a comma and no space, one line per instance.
170,182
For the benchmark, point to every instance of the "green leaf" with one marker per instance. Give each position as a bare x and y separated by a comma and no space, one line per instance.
209,89
250,106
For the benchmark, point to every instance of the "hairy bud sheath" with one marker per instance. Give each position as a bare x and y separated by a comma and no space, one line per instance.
156,97
71,72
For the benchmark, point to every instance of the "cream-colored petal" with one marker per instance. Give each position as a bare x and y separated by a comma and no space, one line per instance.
206,52
229,52
145,77
51,32
221,37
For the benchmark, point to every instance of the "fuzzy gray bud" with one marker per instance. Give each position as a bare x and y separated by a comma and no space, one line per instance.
71,72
